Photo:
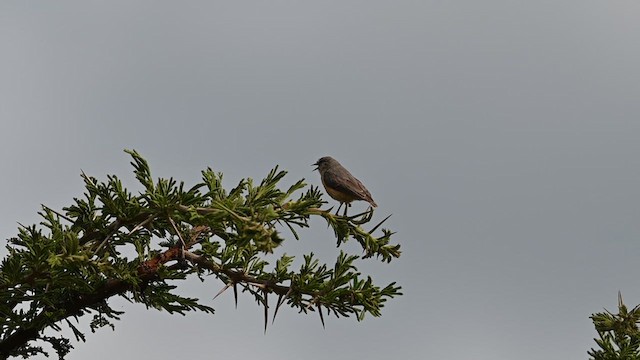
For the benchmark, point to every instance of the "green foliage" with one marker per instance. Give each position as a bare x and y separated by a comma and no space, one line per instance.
111,242
619,336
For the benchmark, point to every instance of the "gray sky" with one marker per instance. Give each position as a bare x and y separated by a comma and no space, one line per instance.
502,135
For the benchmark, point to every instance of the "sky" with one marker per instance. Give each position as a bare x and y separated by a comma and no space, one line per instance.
501,135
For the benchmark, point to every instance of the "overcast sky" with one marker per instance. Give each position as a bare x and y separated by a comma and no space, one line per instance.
503,136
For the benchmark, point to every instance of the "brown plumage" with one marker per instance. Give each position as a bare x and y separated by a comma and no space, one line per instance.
340,184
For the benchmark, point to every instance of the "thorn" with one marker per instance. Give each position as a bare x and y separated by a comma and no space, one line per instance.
223,290
281,300
266,309
57,213
321,316
380,223
177,232
619,298
142,224
275,312
235,293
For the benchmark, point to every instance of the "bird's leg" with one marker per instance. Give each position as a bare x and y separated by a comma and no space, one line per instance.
346,206
338,211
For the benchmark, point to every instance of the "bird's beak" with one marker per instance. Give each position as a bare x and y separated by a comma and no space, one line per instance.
316,165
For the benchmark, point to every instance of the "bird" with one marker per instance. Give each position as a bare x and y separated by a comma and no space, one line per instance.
340,184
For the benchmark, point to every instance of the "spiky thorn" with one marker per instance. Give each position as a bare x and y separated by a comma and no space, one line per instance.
380,223
281,300
177,232
265,291
57,213
228,285
181,260
235,293
320,313
620,303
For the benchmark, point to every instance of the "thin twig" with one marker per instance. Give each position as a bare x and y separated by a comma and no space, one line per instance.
236,276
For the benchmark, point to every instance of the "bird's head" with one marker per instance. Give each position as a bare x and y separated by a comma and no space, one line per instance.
323,163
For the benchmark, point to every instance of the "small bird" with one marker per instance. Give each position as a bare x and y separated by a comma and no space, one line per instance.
340,184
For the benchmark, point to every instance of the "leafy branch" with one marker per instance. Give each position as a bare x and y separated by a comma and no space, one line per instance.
75,260
619,336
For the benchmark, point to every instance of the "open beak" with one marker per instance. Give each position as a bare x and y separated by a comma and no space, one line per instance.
316,165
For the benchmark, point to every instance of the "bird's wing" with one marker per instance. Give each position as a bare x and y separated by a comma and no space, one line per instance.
348,184
366,195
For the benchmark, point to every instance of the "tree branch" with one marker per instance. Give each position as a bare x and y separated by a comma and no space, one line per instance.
147,271
236,276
